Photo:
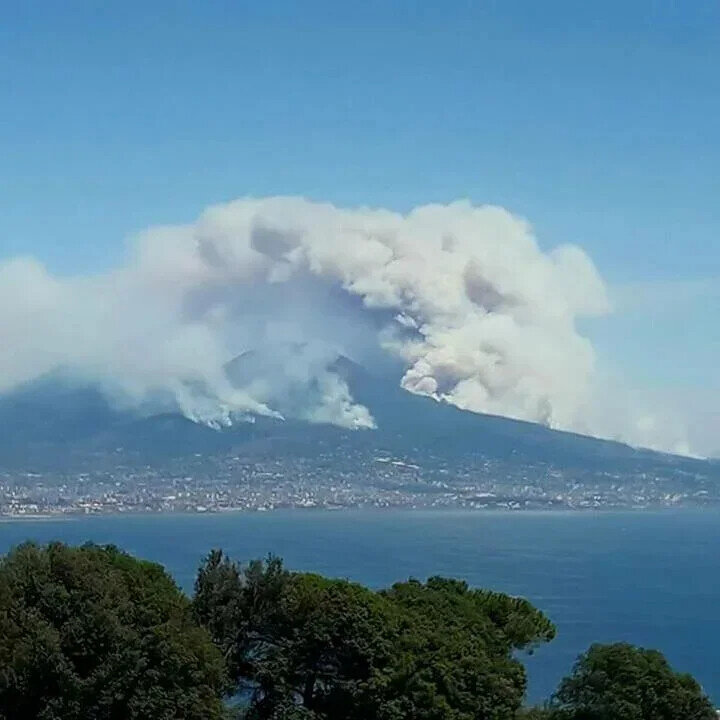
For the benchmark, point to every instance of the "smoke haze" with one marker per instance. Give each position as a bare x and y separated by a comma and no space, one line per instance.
459,297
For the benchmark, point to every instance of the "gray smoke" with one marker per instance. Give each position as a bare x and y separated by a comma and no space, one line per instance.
478,315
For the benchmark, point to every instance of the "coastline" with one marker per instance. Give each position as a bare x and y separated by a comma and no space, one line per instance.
560,511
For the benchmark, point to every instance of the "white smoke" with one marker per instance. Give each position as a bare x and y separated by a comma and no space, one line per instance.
478,314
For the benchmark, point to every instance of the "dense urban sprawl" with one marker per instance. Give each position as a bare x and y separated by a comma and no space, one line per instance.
341,478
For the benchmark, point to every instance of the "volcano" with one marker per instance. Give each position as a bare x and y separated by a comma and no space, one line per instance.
57,424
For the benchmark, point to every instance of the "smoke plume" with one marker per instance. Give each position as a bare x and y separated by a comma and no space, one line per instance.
461,297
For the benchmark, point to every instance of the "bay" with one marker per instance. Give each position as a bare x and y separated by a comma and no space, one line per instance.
650,578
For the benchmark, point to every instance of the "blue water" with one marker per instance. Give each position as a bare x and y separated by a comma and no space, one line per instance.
647,578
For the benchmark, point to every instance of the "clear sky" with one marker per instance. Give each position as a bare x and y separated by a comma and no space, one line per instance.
599,122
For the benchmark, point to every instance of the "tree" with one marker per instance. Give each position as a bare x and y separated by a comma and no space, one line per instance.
535,713
91,632
298,645
624,681
304,646
454,657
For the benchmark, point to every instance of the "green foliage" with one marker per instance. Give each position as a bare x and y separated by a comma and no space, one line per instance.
623,681
92,633
243,609
301,645
305,646
453,655
534,713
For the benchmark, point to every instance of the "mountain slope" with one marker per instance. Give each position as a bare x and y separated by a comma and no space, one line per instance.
51,424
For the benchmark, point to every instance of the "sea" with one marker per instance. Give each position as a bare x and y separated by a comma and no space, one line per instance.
649,578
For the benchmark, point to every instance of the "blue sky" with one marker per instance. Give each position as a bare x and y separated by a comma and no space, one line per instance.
596,121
